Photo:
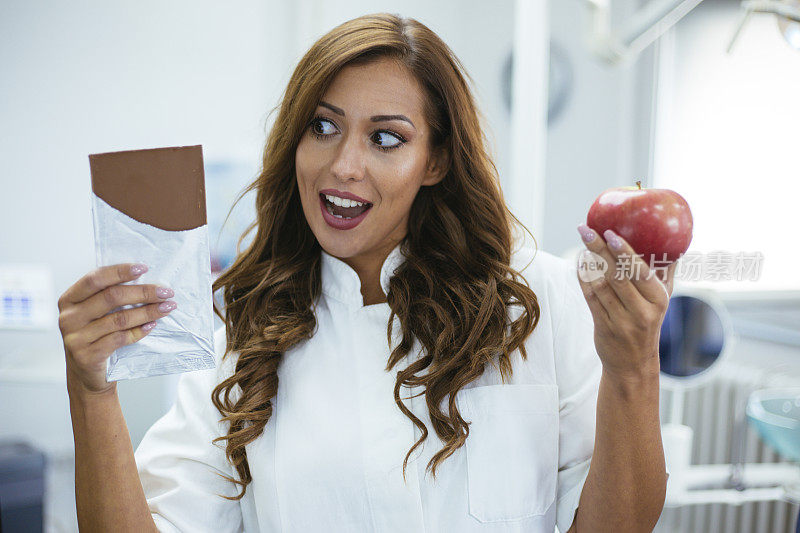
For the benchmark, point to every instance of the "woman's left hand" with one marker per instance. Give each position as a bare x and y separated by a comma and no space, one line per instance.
628,304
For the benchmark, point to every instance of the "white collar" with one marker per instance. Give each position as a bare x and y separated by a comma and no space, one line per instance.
341,281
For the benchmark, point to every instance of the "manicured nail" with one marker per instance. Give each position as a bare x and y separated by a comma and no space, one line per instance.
148,326
138,268
587,233
613,240
165,307
165,292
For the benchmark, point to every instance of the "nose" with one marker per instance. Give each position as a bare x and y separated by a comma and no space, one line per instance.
349,163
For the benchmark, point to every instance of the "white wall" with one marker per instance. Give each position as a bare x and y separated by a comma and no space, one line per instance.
601,139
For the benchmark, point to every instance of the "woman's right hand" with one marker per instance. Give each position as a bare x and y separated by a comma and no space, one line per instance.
91,334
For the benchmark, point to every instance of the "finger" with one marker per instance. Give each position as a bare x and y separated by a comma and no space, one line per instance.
648,283
100,278
601,287
669,278
100,350
127,319
618,273
78,315
645,277
593,301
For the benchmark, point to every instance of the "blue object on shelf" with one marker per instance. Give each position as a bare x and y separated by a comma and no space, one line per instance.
775,414
21,488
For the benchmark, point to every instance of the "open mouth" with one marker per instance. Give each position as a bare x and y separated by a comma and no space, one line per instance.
349,209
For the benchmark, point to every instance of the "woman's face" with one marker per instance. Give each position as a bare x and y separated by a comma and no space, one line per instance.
369,141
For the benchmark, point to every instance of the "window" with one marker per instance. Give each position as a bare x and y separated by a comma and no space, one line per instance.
727,137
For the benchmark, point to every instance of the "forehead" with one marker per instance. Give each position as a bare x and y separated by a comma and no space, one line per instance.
381,87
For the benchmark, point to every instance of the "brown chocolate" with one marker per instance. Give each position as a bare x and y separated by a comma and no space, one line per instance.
163,187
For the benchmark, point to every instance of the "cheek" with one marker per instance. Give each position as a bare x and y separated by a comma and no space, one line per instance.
308,163
301,163
305,174
405,178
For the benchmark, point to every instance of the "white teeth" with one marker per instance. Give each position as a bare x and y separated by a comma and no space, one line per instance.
342,202
328,208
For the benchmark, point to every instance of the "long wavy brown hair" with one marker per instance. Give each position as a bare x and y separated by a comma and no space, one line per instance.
452,292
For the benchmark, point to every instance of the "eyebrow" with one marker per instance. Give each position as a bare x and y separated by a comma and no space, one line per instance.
375,118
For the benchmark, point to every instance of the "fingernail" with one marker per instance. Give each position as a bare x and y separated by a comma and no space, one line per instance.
613,240
138,268
148,326
165,292
167,306
587,234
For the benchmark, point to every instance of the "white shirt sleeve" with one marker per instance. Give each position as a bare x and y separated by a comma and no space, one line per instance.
179,467
578,371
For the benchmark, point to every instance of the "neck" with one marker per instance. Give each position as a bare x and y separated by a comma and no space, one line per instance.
368,268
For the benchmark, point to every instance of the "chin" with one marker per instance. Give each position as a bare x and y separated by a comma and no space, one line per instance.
342,246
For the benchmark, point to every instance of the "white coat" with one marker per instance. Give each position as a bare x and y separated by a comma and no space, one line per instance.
330,458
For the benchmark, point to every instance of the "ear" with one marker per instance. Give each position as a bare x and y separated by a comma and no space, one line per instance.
438,165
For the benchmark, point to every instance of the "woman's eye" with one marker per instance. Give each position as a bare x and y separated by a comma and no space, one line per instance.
323,133
388,137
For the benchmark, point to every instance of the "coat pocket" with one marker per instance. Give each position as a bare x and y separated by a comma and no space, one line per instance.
511,450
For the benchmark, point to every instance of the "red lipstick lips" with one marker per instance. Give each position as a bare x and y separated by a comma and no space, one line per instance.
342,194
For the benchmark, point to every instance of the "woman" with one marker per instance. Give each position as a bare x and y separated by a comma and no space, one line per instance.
382,297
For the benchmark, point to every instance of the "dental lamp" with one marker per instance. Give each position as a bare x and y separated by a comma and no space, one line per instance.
648,24
657,16
787,15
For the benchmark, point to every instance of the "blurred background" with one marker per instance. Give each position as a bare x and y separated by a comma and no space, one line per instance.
579,96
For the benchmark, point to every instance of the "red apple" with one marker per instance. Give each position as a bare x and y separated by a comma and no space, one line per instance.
653,221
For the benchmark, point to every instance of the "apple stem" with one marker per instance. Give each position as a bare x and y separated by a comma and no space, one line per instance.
639,183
